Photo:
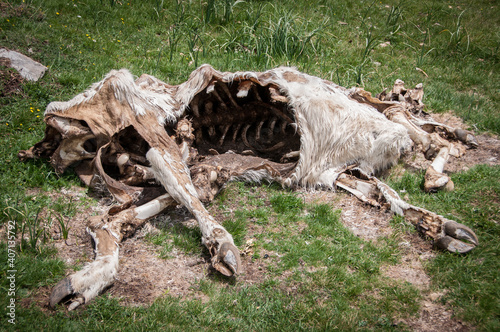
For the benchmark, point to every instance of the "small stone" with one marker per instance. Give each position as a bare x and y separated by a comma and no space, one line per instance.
435,296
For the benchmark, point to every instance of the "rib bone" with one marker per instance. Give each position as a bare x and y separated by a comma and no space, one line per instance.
272,124
244,136
257,131
224,132
235,132
231,99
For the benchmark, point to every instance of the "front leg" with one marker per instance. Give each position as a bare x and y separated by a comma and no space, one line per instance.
173,174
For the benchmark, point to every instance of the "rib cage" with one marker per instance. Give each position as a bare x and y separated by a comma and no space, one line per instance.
224,121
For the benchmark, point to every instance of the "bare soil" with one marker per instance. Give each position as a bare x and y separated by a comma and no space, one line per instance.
10,80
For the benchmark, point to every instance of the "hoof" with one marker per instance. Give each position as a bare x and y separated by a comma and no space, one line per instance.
228,260
455,233
60,291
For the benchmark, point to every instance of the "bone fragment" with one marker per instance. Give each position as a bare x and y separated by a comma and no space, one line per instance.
219,98
122,161
283,127
398,88
275,147
133,174
257,131
435,179
153,208
276,96
256,93
228,93
247,153
213,176
417,94
290,155
362,196
272,124
243,89
275,111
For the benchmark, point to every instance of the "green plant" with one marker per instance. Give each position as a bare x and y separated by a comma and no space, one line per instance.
63,227
394,18
26,222
220,9
458,36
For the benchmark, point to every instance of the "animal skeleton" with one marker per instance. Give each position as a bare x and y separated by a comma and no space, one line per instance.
280,125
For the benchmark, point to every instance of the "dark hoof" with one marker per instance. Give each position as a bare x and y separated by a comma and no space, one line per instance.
60,291
456,232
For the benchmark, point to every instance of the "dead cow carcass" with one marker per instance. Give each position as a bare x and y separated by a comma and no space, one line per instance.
153,145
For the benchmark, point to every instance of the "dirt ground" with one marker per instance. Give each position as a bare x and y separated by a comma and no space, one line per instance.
10,80
144,276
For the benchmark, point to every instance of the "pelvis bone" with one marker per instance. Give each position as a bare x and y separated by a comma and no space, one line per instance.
153,146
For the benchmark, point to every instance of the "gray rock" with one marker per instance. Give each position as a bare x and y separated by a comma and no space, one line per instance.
27,67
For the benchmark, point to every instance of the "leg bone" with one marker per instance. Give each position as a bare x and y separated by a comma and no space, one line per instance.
107,232
446,233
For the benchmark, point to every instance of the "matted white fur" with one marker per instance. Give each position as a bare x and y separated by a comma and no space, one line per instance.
255,176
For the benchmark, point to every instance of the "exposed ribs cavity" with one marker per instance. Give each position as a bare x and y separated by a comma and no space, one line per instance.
254,117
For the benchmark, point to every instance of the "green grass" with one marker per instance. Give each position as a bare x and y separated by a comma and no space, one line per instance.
333,278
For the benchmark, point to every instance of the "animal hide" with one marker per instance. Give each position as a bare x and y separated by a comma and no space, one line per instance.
153,145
